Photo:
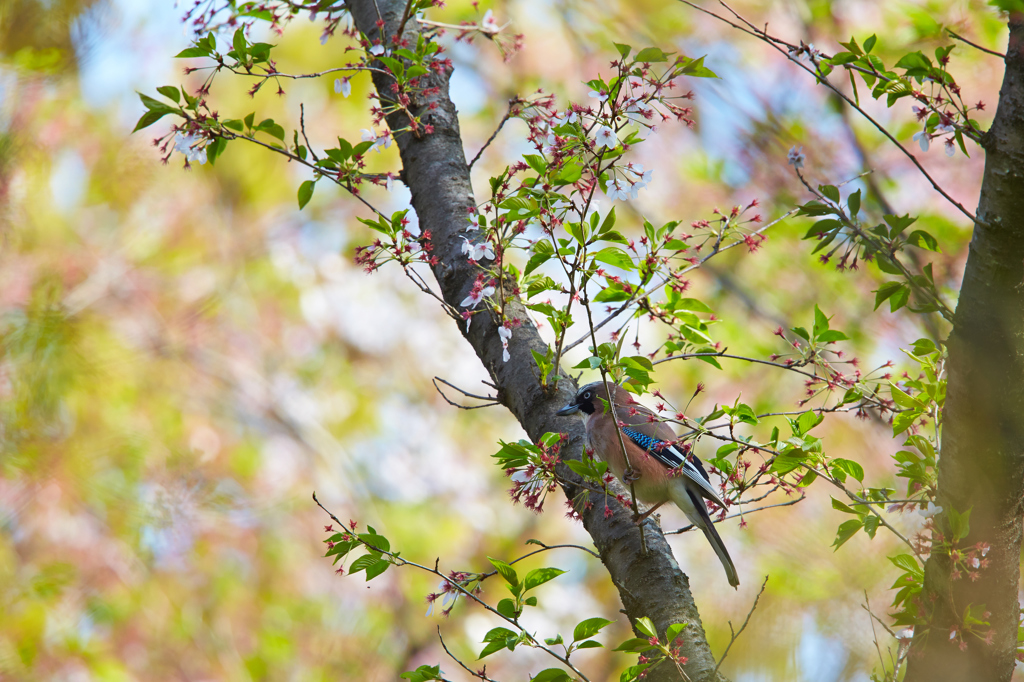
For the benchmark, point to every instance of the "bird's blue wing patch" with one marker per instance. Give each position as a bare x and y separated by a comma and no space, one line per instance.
669,456
672,457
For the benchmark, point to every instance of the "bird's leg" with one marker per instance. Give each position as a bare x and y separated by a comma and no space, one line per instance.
630,475
638,518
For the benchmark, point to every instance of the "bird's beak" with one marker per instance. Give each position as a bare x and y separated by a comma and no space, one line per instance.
567,410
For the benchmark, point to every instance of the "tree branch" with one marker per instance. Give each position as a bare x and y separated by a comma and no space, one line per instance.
437,174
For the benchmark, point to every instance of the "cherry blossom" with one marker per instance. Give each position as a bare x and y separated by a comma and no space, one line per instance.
477,252
923,138
569,116
618,189
489,24
377,50
643,177
342,85
382,140
478,293
931,510
605,137
505,333
600,96
192,146
796,157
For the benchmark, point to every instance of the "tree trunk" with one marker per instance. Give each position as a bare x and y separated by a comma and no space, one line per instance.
435,169
982,459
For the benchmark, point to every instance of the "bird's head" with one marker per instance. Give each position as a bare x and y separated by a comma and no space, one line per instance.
594,396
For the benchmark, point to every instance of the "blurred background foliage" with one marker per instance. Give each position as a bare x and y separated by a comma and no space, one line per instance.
186,357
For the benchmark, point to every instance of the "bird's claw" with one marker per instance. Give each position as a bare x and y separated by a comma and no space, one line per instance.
630,476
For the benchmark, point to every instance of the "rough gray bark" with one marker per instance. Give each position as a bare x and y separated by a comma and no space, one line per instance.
435,169
982,458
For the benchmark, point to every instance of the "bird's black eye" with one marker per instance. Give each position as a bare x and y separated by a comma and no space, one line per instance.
586,396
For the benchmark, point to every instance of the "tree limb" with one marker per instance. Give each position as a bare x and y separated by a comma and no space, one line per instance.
437,174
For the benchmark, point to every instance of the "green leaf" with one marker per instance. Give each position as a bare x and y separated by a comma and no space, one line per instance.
609,222
903,421
697,69
593,362
536,162
498,639
849,466
651,54
305,193
840,506
363,562
885,291
623,50
899,298
507,608
903,399
646,626
634,645
831,192
192,52
847,529
831,336
498,635
589,628
808,420
539,576
148,119
506,571
923,240
853,201
376,569
589,644
613,255
870,43
238,42
693,305
215,149
424,673
551,675
907,563
536,260
959,523
170,92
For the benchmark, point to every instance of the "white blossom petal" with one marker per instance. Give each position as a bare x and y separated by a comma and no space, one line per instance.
796,157
605,137
923,139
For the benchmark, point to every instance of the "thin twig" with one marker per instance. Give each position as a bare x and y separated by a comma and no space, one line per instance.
402,561
302,127
685,529
874,635
735,635
643,293
508,114
492,400
474,673
538,542
777,45
975,45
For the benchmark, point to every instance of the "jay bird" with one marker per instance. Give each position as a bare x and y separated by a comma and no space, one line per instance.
662,471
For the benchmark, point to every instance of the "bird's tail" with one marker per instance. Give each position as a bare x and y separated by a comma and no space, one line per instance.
694,508
723,554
